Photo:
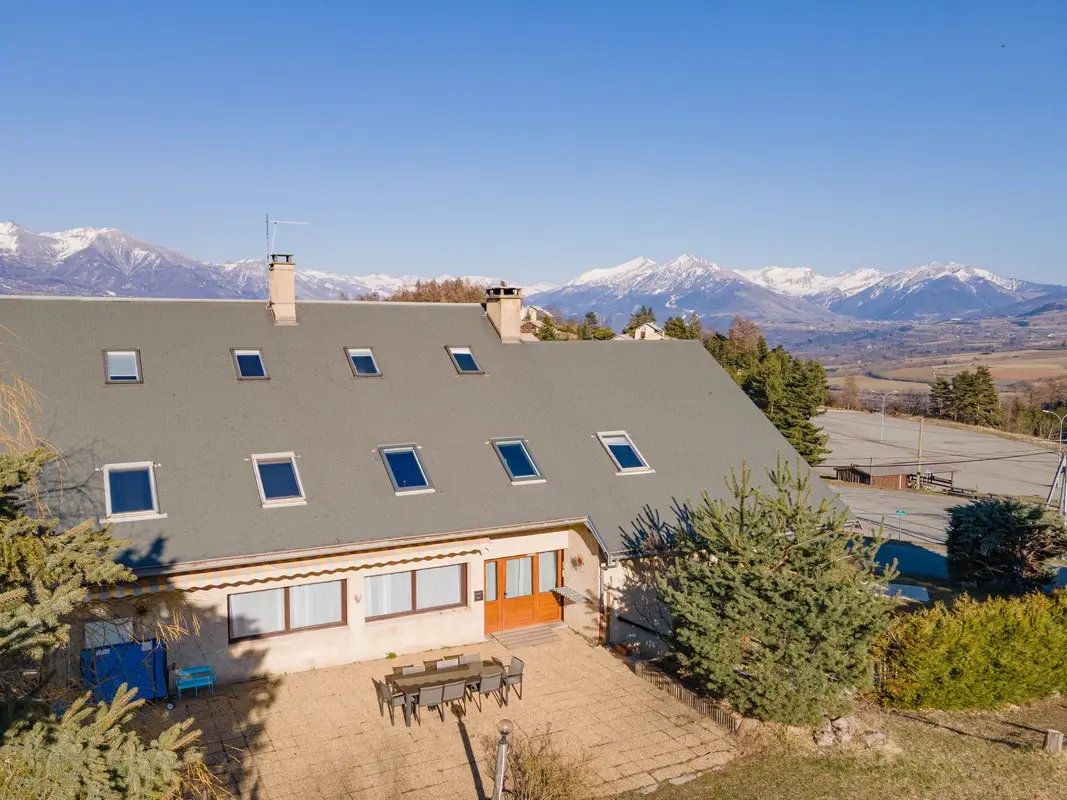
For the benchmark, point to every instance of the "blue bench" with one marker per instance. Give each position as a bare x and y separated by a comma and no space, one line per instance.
193,678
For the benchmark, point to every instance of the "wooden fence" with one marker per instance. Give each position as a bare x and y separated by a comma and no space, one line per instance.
661,680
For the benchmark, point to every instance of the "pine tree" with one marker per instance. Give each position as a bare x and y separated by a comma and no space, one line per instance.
678,328
771,599
1005,542
91,751
941,403
547,331
639,318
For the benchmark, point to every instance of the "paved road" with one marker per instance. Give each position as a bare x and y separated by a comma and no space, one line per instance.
925,519
983,461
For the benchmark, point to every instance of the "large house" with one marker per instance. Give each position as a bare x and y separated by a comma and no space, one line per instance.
326,482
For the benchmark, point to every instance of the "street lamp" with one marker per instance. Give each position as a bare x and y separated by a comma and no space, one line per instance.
1061,467
505,727
884,395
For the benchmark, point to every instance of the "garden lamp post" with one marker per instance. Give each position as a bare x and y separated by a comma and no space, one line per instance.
883,395
504,726
1061,467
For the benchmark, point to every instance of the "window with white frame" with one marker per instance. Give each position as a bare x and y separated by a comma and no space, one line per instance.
250,365
130,491
401,593
278,479
405,469
122,366
107,632
289,609
362,362
514,454
623,452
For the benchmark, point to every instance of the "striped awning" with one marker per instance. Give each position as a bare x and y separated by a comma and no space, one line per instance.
571,595
278,571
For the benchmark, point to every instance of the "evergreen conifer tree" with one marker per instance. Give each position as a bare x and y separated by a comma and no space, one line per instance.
45,572
547,331
771,599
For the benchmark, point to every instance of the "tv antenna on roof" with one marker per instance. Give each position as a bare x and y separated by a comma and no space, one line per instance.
272,232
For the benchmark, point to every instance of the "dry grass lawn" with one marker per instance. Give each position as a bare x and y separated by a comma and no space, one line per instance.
973,756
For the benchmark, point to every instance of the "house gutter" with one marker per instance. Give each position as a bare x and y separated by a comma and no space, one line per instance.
377,544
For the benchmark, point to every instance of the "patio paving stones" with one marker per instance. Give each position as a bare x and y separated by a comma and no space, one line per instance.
318,734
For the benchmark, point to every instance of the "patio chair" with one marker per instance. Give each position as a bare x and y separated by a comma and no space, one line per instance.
513,676
457,690
388,696
445,663
491,684
413,669
471,658
430,697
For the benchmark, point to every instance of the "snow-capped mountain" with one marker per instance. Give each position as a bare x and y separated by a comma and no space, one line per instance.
681,286
939,291
108,262
806,282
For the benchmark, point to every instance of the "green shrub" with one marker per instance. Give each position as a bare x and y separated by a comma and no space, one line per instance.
1004,543
976,654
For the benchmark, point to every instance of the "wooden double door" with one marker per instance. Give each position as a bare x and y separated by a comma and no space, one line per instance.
518,590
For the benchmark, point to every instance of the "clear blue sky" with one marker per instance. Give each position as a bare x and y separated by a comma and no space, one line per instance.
541,139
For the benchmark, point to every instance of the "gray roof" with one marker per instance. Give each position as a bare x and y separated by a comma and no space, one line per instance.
200,424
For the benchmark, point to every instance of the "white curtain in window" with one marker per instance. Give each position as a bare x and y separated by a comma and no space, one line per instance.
518,577
440,586
547,571
315,604
387,594
253,613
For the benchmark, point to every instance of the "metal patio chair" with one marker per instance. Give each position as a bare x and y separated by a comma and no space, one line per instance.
445,663
388,697
471,658
455,691
491,684
413,669
430,697
513,677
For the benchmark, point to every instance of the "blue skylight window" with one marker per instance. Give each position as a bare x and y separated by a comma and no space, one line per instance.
249,365
122,366
278,479
130,491
464,360
623,452
362,361
405,469
517,461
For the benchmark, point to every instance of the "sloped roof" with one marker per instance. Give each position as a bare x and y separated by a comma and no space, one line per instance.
200,424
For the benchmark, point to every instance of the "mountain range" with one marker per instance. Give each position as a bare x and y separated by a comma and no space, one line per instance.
108,262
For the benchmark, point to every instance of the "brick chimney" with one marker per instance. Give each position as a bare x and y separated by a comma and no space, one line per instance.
281,289
503,306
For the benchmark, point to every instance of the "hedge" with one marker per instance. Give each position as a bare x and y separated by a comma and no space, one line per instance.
976,654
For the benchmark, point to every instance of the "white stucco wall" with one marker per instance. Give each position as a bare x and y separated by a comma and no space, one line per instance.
361,640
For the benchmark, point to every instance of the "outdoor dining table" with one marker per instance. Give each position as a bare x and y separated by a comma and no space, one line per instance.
410,685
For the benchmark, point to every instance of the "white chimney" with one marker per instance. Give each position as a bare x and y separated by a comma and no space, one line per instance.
281,289
503,306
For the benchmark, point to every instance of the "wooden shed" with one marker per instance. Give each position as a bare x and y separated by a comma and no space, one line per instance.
899,477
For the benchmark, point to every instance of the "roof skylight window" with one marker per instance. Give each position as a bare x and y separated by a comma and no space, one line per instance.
122,366
405,470
278,480
623,452
362,361
130,491
464,360
517,461
249,365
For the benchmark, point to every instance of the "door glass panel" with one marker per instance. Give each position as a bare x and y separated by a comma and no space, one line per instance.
519,577
546,571
490,582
